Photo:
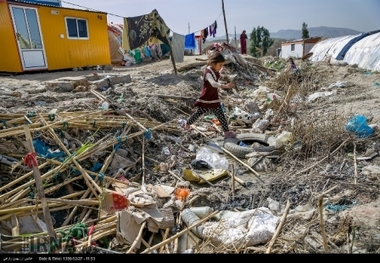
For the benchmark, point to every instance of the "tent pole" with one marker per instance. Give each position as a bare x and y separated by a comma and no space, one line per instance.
225,21
172,59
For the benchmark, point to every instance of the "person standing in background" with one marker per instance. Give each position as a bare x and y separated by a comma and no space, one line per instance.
243,42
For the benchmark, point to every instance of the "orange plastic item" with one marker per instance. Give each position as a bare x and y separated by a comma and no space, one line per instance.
182,193
216,121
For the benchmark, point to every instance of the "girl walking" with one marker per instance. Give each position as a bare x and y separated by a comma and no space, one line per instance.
209,98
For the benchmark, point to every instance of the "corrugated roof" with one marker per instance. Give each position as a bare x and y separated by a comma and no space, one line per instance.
42,4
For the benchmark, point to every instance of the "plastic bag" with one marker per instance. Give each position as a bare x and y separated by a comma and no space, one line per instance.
213,159
358,125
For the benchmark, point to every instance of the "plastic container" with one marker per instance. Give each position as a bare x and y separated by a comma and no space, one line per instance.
202,211
190,218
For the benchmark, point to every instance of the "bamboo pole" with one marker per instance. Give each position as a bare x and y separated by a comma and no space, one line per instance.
233,181
138,238
39,186
279,227
355,165
240,161
321,220
19,179
237,179
163,239
18,131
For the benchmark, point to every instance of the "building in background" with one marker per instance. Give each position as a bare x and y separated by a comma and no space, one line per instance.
298,48
45,36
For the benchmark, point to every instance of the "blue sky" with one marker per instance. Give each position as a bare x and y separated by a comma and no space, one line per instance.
191,16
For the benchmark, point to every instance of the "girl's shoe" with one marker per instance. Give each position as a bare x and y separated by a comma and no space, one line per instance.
229,134
186,126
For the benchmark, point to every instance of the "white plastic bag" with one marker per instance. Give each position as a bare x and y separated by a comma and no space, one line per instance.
214,160
247,228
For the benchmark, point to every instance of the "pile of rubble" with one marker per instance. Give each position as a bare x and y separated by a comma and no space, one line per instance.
99,164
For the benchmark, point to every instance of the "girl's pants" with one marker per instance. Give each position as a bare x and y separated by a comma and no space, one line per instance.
218,113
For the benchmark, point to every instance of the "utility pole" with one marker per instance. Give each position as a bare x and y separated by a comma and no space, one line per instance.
225,21
235,38
188,28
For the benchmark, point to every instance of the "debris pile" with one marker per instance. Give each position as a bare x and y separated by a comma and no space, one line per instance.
99,164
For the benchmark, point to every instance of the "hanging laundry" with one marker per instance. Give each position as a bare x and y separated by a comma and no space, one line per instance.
204,34
178,46
190,41
213,28
137,30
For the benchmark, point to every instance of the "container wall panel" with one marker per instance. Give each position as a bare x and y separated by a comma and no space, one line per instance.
9,55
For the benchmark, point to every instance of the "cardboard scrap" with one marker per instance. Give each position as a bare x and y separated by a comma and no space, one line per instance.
114,202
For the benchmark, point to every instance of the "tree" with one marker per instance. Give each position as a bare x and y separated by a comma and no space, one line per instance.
260,41
305,32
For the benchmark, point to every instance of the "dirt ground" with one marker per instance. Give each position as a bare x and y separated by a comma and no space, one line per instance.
322,168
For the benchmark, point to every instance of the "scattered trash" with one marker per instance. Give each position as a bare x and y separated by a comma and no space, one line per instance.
358,126
214,160
246,228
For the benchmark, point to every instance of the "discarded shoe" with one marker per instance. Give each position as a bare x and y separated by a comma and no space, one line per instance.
229,134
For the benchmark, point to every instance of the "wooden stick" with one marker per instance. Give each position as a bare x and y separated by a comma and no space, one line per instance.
19,179
355,165
143,160
233,156
240,161
177,177
74,202
233,181
167,241
138,123
237,179
279,227
39,186
322,221
18,131
134,244
163,239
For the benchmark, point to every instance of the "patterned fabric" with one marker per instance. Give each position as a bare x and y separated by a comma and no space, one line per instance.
209,97
137,30
218,112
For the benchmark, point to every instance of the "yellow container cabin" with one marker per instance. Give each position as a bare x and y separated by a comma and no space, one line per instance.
43,37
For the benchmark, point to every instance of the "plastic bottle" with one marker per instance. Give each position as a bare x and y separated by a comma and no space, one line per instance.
202,211
190,218
283,138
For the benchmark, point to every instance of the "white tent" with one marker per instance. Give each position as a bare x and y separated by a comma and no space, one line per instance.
362,50
329,47
365,53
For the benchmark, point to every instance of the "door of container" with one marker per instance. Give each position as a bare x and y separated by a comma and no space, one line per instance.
29,39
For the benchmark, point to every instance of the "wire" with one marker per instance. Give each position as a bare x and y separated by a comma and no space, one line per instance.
111,14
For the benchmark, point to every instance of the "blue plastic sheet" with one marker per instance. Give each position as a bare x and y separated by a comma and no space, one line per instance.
358,126
43,150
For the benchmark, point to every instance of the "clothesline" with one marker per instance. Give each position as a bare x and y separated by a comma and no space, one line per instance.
111,14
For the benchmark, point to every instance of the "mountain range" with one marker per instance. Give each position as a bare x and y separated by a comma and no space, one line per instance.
321,31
